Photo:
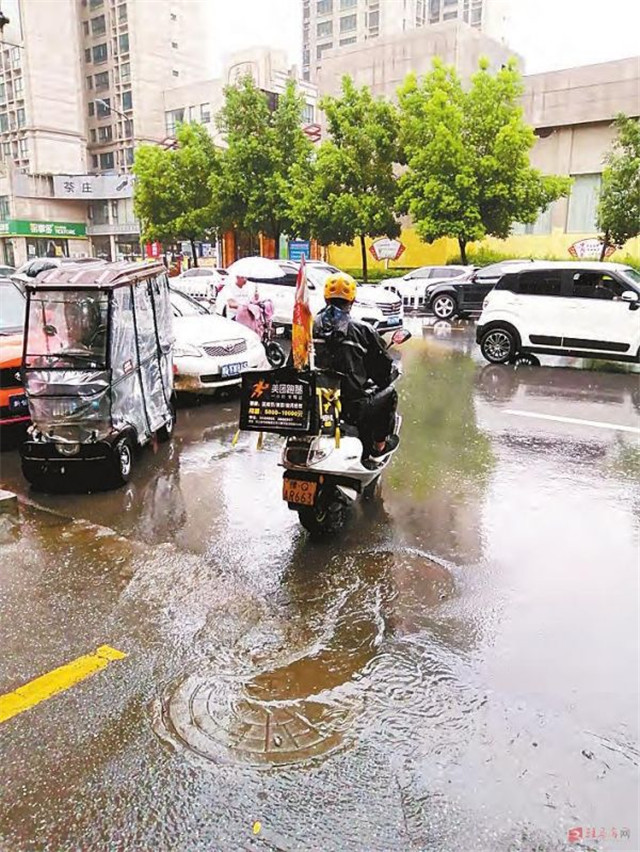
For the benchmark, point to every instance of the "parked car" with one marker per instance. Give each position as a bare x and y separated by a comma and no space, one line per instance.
210,351
464,296
379,308
13,402
589,310
7,271
202,283
416,286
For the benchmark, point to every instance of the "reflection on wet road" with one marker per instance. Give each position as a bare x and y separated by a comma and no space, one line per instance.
458,671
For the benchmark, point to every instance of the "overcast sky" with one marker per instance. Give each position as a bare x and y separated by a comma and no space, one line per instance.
548,33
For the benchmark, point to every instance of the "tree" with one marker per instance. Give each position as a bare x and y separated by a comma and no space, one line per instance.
619,204
254,184
467,153
172,197
352,188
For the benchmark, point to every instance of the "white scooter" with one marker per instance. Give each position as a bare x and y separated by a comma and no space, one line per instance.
322,479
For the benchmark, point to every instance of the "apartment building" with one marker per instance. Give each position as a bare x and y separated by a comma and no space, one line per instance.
81,84
328,25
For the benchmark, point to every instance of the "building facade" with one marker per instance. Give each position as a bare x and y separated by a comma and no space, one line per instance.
81,84
329,25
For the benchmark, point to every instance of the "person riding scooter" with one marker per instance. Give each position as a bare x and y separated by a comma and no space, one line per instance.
357,353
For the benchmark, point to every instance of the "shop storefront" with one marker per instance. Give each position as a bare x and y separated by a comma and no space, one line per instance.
21,240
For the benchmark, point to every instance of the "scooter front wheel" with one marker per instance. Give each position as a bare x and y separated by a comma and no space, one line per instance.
327,517
275,354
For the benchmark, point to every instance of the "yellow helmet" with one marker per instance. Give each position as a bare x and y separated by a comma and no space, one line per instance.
340,286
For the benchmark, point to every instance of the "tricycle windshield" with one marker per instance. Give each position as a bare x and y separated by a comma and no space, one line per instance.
67,330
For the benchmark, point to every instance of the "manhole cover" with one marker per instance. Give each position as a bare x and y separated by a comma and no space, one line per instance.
206,719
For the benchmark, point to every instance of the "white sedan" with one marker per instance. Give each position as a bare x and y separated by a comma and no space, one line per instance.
210,352
202,282
415,287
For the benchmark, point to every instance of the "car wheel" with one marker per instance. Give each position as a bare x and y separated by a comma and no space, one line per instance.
444,306
122,461
498,345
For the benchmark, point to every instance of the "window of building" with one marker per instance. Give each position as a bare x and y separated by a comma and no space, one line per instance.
3,93
99,212
103,107
128,156
542,225
306,56
105,134
90,82
122,12
107,160
324,7
92,135
23,148
171,119
18,86
91,108
205,113
85,28
174,45
306,13
320,49
96,4
308,113
123,43
175,73
15,57
21,117
87,55
127,100
306,74
348,4
345,41
94,161
100,53
583,203
350,22
434,12
4,207
98,26
373,20
125,72
102,80
324,28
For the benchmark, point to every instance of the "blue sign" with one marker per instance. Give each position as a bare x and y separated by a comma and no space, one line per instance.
297,248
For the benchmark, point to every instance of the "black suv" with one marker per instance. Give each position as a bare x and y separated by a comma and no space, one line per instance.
466,295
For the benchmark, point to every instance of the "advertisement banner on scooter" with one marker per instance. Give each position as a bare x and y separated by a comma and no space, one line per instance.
280,401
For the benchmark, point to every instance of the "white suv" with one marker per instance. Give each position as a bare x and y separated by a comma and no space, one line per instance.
589,310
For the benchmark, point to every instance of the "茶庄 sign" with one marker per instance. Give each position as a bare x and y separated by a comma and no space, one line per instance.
93,186
276,401
386,249
22,228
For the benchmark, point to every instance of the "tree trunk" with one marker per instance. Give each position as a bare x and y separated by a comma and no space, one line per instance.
363,251
463,250
605,245
193,251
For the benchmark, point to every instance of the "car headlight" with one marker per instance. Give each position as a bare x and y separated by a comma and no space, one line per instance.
183,350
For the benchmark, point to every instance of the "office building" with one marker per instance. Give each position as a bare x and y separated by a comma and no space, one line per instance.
329,25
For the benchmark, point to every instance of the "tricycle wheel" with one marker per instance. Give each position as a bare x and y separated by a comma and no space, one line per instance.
327,517
122,461
165,433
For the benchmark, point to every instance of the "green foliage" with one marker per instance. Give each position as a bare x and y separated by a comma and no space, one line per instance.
375,275
351,191
619,205
172,195
253,187
467,154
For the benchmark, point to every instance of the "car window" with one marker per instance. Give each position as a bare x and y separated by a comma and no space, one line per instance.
419,273
13,309
183,306
542,283
595,285
632,275
196,273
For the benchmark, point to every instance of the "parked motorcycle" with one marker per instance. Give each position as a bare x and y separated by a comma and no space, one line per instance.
324,476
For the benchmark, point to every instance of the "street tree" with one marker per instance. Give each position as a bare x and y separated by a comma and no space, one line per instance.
467,154
253,187
352,189
619,203
172,198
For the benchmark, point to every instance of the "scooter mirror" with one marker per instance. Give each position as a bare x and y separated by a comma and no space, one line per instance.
400,336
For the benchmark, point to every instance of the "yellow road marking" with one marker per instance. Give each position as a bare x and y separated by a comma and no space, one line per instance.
58,680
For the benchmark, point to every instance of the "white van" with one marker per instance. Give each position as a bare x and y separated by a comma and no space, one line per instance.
589,310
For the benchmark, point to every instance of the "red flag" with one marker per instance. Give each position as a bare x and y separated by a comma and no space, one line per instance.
302,328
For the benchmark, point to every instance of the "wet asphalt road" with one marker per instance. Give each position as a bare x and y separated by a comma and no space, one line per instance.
458,671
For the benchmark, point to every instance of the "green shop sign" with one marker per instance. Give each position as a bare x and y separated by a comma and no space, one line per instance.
21,228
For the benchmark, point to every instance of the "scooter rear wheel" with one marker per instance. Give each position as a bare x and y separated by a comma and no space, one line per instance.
327,517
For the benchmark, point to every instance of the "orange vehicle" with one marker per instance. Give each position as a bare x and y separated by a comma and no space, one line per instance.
13,402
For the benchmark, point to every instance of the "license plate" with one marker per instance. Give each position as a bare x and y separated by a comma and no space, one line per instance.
233,369
18,403
299,491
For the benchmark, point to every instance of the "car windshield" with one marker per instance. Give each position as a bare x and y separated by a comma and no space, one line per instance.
183,306
12,309
197,273
632,275
67,329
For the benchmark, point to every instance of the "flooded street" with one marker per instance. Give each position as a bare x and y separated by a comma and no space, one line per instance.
458,670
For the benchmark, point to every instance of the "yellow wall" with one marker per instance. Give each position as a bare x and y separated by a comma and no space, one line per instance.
417,253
